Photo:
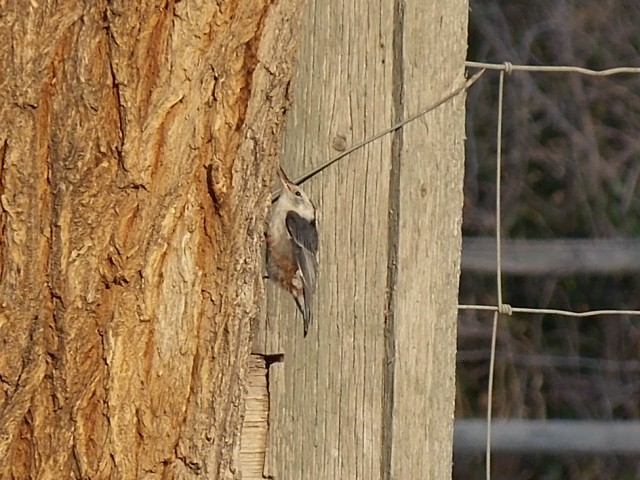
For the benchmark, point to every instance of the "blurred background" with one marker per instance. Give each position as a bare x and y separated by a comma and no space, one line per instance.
571,170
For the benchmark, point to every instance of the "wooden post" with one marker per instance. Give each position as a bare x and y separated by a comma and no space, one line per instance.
430,171
370,392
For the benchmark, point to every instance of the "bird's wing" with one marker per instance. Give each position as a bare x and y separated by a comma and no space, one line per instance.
304,240
304,236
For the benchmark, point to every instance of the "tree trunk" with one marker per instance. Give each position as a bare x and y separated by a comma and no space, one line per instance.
136,155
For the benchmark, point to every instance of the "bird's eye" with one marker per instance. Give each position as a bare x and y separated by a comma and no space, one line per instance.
298,194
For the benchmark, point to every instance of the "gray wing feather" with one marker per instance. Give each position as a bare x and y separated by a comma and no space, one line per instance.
305,242
303,232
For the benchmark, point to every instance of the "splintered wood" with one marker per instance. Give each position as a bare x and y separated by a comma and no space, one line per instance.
253,442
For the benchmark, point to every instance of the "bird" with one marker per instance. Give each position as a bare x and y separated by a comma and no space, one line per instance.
292,245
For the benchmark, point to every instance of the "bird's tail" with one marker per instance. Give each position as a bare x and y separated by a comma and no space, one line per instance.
305,309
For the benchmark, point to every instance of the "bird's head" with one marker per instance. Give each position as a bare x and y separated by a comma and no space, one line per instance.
293,198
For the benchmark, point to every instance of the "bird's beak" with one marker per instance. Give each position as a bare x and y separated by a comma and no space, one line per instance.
284,180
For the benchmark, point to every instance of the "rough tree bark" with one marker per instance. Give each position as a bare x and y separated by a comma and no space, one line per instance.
137,148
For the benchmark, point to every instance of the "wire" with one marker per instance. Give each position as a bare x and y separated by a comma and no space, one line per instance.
494,328
549,311
509,67
454,93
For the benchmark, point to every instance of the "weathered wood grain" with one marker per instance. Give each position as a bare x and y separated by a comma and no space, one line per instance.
430,171
369,393
330,404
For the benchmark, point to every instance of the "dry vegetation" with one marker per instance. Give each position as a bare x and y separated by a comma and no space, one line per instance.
571,169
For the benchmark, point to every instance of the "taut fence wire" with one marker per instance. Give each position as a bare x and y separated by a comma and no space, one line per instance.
503,308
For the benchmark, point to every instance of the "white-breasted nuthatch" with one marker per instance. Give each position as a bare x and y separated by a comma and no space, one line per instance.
292,245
